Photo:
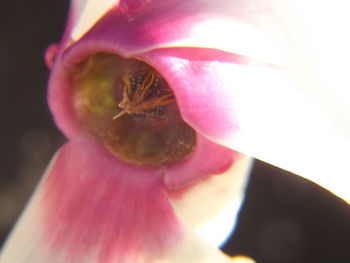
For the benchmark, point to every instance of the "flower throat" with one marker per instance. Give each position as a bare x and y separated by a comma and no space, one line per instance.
130,109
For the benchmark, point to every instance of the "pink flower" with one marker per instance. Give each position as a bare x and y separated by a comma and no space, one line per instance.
238,84
134,186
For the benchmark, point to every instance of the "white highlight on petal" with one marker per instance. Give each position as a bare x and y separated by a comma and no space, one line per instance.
282,121
88,13
218,229
232,36
211,207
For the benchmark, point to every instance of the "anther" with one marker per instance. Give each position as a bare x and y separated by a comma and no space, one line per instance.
138,98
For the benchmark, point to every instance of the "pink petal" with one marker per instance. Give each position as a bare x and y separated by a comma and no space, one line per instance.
145,25
217,160
265,31
203,83
93,203
115,214
129,34
154,24
60,99
271,114
129,6
50,54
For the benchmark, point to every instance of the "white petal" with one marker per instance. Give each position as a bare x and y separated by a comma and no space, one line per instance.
211,207
87,13
293,121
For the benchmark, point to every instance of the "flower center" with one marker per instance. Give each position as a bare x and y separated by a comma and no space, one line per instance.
127,106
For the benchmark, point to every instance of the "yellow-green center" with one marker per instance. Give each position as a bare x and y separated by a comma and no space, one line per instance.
128,107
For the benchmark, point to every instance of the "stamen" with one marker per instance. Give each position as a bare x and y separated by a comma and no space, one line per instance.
147,83
135,95
119,114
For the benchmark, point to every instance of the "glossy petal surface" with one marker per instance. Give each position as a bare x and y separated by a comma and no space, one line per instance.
265,112
178,23
283,114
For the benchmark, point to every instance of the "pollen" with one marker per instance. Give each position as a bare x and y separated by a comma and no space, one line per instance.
127,106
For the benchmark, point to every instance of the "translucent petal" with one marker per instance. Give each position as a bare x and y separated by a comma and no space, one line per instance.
268,113
211,207
91,208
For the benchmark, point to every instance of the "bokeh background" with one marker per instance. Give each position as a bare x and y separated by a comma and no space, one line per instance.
284,219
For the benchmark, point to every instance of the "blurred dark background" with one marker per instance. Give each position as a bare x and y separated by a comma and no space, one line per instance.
28,136
284,219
